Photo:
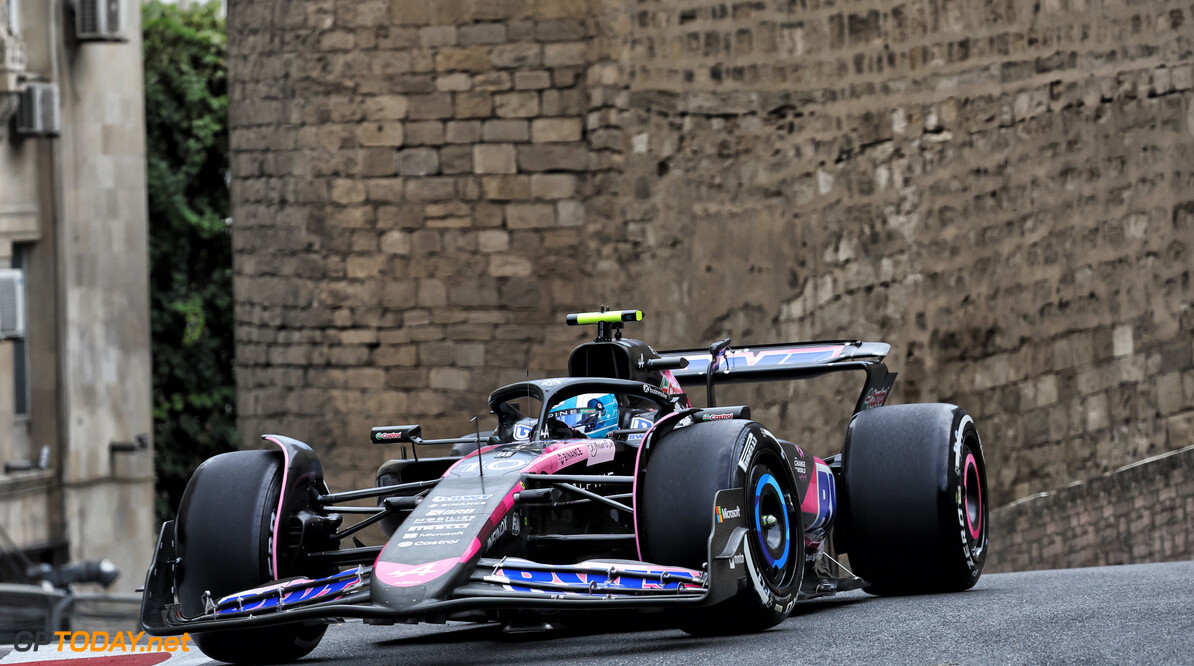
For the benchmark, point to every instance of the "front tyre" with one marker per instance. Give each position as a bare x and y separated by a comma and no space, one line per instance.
223,535
687,468
915,503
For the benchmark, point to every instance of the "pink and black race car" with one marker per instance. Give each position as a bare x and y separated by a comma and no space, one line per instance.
605,490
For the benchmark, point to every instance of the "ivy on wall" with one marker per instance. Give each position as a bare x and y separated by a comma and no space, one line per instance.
190,241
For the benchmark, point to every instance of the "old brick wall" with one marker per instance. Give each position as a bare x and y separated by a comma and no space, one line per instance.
1141,513
1001,189
409,183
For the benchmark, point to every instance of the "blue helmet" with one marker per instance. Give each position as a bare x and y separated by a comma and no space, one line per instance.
591,414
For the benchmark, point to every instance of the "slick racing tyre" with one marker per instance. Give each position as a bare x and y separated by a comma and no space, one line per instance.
223,531
686,469
914,499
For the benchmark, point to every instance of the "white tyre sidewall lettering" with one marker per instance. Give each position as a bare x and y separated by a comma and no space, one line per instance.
959,434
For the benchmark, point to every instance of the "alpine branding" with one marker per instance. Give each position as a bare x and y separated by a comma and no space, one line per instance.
745,358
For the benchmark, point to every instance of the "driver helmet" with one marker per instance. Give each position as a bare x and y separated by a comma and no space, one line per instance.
591,414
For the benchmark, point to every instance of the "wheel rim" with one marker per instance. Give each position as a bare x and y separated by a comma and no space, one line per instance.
771,521
972,493
771,517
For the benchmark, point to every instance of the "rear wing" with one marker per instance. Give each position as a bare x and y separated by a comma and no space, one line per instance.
790,362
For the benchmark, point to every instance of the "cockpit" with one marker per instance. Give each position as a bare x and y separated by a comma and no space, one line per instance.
578,408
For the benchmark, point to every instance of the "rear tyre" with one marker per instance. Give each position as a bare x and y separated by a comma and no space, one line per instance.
686,469
915,502
223,532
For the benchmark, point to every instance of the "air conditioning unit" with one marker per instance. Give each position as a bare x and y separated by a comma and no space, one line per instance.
99,20
40,111
12,303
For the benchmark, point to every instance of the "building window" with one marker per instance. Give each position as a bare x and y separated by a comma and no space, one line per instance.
20,350
14,20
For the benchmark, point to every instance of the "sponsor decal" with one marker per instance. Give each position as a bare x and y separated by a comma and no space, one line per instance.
737,559
799,466
461,498
600,451
418,535
449,512
748,450
567,456
437,542
552,382
522,431
395,574
498,532
437,528
438,520
651,390
716,417
388,435
723,513
670,385
875,398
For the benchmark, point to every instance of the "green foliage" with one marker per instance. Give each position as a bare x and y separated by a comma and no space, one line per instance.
190,243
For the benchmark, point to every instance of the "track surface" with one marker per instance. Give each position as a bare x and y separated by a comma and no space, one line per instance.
1127,614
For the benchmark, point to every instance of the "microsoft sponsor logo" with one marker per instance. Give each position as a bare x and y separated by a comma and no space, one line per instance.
723,513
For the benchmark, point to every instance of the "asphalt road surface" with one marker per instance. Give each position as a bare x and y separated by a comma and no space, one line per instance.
1140,614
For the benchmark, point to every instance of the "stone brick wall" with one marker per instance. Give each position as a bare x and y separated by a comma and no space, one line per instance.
1001,189
409,184
1141,513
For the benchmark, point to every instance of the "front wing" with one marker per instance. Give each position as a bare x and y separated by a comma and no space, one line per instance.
486,584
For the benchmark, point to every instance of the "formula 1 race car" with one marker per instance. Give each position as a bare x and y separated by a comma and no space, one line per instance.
605,490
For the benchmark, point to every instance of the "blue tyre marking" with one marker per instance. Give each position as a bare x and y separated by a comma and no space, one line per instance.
768,480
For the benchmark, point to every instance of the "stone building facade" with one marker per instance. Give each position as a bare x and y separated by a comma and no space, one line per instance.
73,220
1002,189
